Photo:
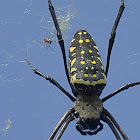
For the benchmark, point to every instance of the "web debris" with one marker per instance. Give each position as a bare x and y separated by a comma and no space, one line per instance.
133,56
8,125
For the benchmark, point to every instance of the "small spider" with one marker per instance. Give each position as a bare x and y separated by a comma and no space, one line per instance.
47,40
87,79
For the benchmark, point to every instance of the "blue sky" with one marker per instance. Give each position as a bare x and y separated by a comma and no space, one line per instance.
32,105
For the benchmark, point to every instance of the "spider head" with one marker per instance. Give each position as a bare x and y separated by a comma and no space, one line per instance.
89,109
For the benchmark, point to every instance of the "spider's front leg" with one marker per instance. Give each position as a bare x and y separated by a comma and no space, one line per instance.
113,34
51,80
59,36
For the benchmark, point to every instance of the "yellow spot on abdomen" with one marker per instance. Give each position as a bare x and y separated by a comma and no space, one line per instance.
80,33
86,75
73,78
90,51
73,61
81,41
82,52
72,49
92,68
104,76
95,47
99,59
87,40
86,68
73,54
84,32
102,67
73,69
94,75
73,39
82,62
93,62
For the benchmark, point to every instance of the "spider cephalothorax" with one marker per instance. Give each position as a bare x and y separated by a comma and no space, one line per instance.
87,79
89,109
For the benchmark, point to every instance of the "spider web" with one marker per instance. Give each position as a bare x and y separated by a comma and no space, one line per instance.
18,44
46,27
22,31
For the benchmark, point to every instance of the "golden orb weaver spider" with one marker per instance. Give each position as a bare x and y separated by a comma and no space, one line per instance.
87,78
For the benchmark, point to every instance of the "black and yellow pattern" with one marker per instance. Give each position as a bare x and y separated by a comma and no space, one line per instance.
86,69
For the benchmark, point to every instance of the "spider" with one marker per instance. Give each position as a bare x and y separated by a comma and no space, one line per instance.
87,79
47,40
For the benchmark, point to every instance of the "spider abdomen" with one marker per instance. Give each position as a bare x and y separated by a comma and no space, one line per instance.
86,69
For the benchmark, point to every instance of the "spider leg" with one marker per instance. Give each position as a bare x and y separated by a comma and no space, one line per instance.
48,46
105,119
59,36
105,111
69,119
51,80
63,119
120,89
113,34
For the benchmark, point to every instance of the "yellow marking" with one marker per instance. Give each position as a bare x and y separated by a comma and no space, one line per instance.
99,59
73,39
80,33
81,70
82,57
73,69
84,32
72,49
92,56
95,47
82,62
94,75
73,78
90,51
73,54
81,81
98,53
86,75
7,126
104,76
81,41
102,67
73,61
92,68
69,60
87,40
93,62
82,52
86,68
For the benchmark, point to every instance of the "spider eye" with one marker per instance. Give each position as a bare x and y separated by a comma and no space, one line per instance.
86,69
